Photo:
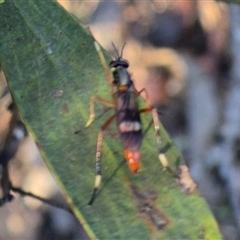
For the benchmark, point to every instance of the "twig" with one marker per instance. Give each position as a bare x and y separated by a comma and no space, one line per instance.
51,202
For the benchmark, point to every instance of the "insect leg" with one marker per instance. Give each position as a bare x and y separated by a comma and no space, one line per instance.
103,61
161,156
92,108
147,98
102,58
98,177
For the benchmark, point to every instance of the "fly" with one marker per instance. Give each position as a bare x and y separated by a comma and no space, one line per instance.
127,115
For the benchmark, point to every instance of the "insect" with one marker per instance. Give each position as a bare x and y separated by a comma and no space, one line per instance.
127,115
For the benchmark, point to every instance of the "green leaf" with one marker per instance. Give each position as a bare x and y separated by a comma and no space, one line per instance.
52,70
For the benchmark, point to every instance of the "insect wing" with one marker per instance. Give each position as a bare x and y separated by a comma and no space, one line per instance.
128,120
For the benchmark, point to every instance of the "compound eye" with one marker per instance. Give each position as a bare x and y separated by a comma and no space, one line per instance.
125,63
113,64
119,62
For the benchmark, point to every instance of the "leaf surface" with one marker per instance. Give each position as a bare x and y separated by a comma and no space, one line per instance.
52,69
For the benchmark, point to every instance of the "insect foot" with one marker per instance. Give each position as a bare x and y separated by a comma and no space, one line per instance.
90,121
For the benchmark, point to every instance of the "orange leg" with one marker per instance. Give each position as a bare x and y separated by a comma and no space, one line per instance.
92,108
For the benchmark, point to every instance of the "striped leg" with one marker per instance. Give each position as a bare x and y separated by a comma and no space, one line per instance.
98,177
161,156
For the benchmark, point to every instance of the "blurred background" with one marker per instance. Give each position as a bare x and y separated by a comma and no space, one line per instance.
187,56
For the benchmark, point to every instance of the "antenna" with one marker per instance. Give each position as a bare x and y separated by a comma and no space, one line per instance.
122,49
115,49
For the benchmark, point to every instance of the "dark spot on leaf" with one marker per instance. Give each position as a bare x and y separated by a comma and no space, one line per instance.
65,108
145,203
78,132
57,93
18,39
